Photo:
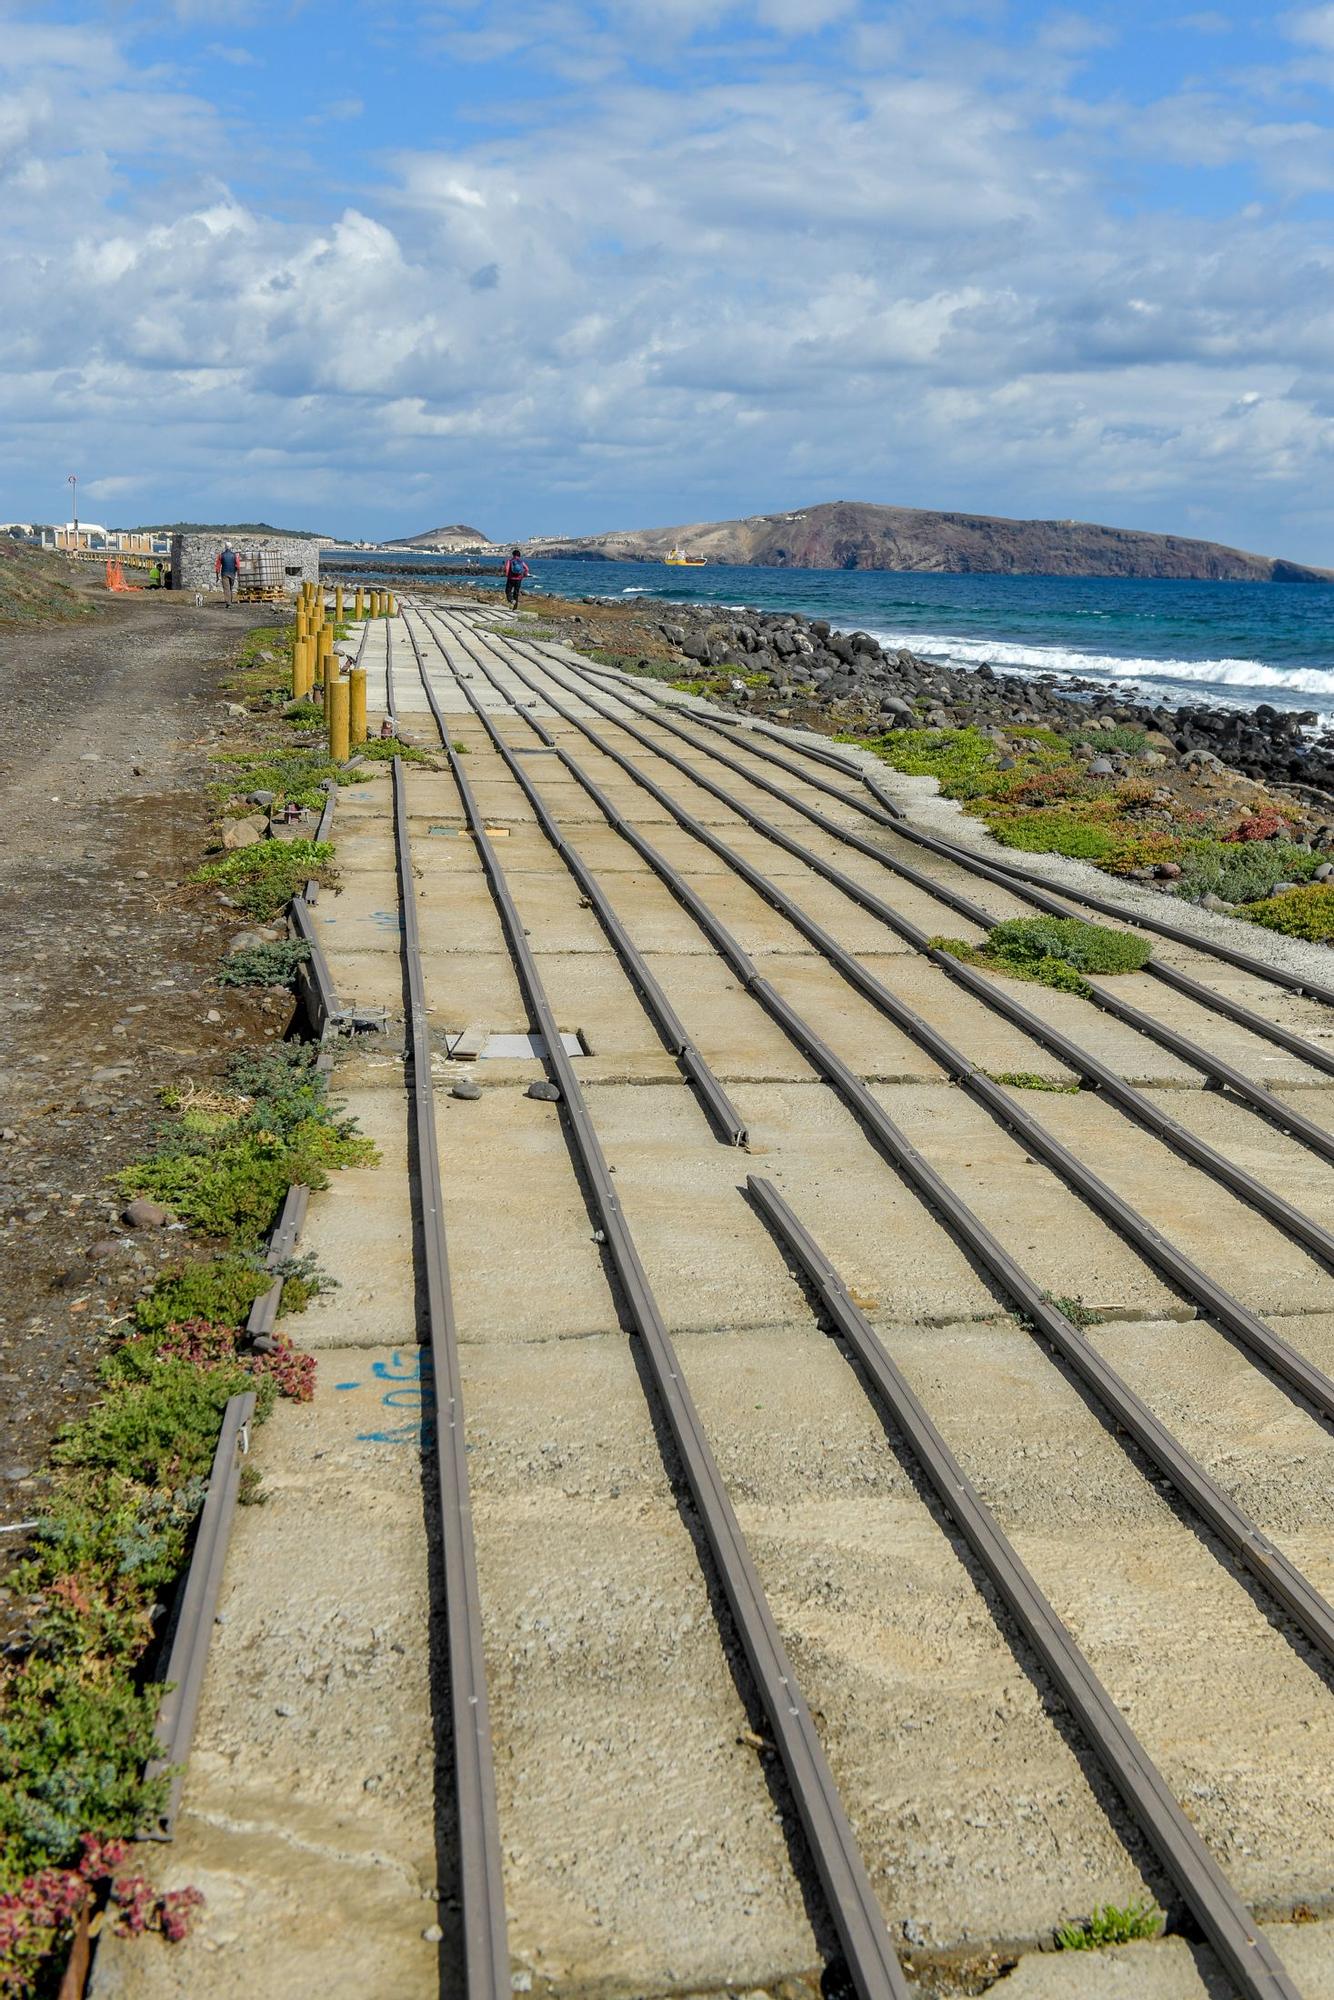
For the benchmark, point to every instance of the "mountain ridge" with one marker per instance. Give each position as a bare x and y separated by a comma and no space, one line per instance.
858,534
460,536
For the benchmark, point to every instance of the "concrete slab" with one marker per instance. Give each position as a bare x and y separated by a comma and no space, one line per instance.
1168,1969
309,1814
1137,1587
1058,1240
706,1252
1262,1266
640,1830
1263,1447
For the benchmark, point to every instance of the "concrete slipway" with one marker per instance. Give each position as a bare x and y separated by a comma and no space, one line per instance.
648,1840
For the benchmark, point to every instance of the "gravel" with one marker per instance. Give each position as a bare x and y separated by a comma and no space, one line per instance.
106,969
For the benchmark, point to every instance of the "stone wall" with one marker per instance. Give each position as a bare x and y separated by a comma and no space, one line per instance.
283,561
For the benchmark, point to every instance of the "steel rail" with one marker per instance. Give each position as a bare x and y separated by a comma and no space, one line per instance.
1219,1071
481,1871
196,1608
1306,1606
856,1915
1021,884
1255,1552
1215,1300
314,979
725,1117
1009,873
1222,1916
1302,1228
264,1311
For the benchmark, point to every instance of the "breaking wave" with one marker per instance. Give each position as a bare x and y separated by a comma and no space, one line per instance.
1219,675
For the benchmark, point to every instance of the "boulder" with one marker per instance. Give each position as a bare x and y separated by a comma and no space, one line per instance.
243,833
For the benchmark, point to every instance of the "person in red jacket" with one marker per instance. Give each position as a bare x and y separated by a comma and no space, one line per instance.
225,569
516,569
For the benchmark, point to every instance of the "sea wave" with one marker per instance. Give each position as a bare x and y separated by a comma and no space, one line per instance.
1008,656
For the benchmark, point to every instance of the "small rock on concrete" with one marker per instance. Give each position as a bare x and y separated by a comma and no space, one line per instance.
141,1214
466,1089
433,1934
548,1092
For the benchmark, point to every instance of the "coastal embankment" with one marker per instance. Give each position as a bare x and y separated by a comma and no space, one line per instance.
1229,808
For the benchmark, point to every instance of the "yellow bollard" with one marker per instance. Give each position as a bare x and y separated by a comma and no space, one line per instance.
360,611
356,707
323,653
339,696
389,610
338,605
303,668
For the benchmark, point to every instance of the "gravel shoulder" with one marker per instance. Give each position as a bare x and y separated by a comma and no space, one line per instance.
107,972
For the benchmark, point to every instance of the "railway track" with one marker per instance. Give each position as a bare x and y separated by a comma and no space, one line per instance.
513,690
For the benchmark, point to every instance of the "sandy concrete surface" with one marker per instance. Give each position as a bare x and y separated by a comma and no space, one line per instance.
648,1840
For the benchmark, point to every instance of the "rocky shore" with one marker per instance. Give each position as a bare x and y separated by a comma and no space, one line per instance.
807,661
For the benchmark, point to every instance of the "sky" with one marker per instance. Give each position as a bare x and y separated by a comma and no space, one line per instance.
551,266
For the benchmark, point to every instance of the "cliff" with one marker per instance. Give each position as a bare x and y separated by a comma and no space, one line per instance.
854,534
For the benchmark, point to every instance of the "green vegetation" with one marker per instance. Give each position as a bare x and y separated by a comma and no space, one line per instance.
1110,1925
300,776
1053,951
1302,913
35,587
1123,738
264,964
637,663
1028,941
223,1289
1074,1309
226,1170
1027,1079
1243,871
263,878
721,682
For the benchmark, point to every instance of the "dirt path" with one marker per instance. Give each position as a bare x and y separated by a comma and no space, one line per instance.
106,973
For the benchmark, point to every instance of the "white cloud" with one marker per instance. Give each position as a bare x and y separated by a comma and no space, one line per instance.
906,279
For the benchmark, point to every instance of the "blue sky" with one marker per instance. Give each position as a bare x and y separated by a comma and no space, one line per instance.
546,266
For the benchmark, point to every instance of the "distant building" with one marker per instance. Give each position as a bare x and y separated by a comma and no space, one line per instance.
274,564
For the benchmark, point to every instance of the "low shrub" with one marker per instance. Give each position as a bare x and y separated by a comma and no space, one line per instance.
1267,824
264,964
1087,947
1123,738
263,878
1052,951
229,1179
1055,831
1302,913
158,1421
1242,871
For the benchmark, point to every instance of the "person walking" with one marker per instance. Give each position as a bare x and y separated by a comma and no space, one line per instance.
225,569
516,569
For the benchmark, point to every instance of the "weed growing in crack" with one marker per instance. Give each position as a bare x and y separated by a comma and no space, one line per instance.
1109,1924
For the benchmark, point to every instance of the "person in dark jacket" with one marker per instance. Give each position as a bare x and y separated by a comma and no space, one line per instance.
225,569
516,569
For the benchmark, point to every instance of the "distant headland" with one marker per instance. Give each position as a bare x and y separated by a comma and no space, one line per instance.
855,534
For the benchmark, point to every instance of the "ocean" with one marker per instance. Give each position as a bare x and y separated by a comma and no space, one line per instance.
1226,644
